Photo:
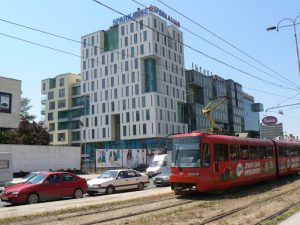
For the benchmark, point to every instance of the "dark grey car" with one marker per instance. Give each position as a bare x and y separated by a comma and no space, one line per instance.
162,179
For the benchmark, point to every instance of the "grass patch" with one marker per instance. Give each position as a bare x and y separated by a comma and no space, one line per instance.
283,217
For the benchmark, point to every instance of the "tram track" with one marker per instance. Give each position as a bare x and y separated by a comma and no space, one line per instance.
117,213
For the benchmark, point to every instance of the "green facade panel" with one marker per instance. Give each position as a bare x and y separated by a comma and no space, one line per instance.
150,75
111,39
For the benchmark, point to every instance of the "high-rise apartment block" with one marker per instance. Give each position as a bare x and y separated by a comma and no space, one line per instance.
133,77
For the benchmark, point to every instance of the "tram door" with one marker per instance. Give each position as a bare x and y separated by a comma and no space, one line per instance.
221,165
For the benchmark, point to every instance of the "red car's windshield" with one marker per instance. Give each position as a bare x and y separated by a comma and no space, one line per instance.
37,179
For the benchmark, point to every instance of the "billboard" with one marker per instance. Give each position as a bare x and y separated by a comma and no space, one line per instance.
116,158
269,120
5,102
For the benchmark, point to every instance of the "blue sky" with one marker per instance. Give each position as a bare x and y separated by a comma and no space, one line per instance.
241,23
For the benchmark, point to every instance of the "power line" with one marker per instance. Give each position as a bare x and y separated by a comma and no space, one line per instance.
227,42
198,51
268,93
227,52
41,45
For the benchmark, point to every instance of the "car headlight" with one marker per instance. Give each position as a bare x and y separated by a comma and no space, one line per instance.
15,193
96,185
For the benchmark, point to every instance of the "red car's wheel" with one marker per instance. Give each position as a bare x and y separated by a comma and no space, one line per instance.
32,198
78,193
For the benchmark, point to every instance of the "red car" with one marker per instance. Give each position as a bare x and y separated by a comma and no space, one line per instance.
45,186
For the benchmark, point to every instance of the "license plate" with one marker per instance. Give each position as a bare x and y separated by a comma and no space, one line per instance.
4,198
158,181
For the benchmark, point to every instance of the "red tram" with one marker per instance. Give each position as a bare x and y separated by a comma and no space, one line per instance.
206,161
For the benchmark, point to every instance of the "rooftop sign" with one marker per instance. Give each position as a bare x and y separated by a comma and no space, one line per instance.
130,16
269,120
143,12
161,13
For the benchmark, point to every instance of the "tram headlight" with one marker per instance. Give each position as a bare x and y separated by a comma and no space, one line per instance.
194,174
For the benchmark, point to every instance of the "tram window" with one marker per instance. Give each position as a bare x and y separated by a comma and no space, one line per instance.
253,152
206,156
262,152
245,152
286,152
234,152
281,152
221,152
269,152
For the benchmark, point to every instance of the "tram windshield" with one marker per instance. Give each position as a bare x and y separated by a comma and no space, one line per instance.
186,152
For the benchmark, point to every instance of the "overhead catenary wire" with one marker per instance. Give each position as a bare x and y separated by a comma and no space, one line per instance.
72,54
286,81
73,40
227,42
198,51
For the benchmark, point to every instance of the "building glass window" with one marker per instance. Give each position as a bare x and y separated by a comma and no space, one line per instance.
142,49
147,114
127,91
51,105
141,25
50,95
124,130
112,57
144,128
123,79
137,115
123,54
50,116
122,30
132,27
61,137
61,82
103,83
135,38
145,35
133,103
61,93
134,129
61,103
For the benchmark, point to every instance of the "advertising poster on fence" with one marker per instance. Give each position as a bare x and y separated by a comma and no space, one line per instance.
133,157
108,158
116,158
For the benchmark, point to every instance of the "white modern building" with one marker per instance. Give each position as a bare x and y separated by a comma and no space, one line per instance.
10,103
134,79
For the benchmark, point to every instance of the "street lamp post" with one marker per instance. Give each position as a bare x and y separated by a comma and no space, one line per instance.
295,34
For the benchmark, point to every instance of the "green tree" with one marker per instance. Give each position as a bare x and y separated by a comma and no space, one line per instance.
30,133
25,107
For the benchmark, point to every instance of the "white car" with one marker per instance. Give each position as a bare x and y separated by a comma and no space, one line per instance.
117,180
21,180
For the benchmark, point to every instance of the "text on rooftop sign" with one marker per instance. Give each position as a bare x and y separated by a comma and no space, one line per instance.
143,12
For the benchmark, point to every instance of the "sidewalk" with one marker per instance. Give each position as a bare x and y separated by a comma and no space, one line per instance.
293,220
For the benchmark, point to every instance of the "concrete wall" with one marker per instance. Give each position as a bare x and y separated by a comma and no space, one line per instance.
29,158
10,93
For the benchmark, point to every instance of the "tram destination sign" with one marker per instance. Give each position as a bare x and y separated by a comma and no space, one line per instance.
269,120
